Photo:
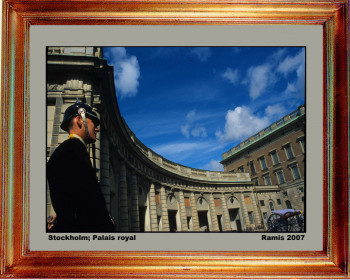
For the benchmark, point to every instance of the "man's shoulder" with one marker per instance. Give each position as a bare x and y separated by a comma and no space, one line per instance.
68,148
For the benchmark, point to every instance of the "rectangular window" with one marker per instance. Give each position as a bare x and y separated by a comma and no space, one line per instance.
263,163
278,201
256,181
295,172
251,219
252,168
267,180
289,151
285,194
280,176
262,203
301,189
274,157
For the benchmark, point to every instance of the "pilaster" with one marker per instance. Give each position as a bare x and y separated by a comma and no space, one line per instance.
104,169
153,208
56,124
257,217
163,203
195,218
182,209
214,217
135,223
123,200
226,215
245,212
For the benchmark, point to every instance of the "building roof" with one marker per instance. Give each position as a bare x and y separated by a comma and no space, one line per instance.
274,127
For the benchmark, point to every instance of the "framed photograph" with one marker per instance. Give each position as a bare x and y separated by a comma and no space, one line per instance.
172,221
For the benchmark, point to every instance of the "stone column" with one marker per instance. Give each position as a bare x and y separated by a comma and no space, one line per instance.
182,209
214,217
163,203
195,218
56,124
135,223
101,152
226,215
257,216
244,211
153,208
123,200
104,168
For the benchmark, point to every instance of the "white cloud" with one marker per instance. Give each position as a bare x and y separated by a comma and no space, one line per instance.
126,71
293,63
184,151
202,53
277,56
241,123
177,152
214,165
275,111
191,115
199,132
291,89
190,128
185,130
259,78
231,75
175,148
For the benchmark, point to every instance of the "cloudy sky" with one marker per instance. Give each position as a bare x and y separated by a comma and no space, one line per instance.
191,105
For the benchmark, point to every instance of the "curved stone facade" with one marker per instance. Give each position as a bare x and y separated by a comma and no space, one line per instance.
144,191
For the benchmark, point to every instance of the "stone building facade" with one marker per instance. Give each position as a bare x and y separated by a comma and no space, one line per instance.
144,191
275,156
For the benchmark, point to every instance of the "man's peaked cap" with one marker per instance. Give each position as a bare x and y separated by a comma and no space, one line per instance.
73,111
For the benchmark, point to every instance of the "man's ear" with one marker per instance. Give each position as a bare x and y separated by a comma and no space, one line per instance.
79,121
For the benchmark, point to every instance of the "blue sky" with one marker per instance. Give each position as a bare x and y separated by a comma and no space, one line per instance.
192,104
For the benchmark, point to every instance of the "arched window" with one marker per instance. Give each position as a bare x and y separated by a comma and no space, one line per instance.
288,204
272,206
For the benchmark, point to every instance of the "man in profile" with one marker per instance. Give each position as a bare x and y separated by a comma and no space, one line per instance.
75,193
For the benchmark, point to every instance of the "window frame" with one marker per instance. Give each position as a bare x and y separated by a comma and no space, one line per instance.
277,157
251,164
302,143
288,145
251,217
261,158
291,166
280,171
267,175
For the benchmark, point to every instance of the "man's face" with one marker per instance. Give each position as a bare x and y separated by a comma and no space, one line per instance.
92,127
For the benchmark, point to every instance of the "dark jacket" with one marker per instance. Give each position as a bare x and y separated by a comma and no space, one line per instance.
75,193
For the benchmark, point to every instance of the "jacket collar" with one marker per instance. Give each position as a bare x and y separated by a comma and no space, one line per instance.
77,137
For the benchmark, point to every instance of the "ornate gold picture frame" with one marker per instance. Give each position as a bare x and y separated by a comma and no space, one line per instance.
17,258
